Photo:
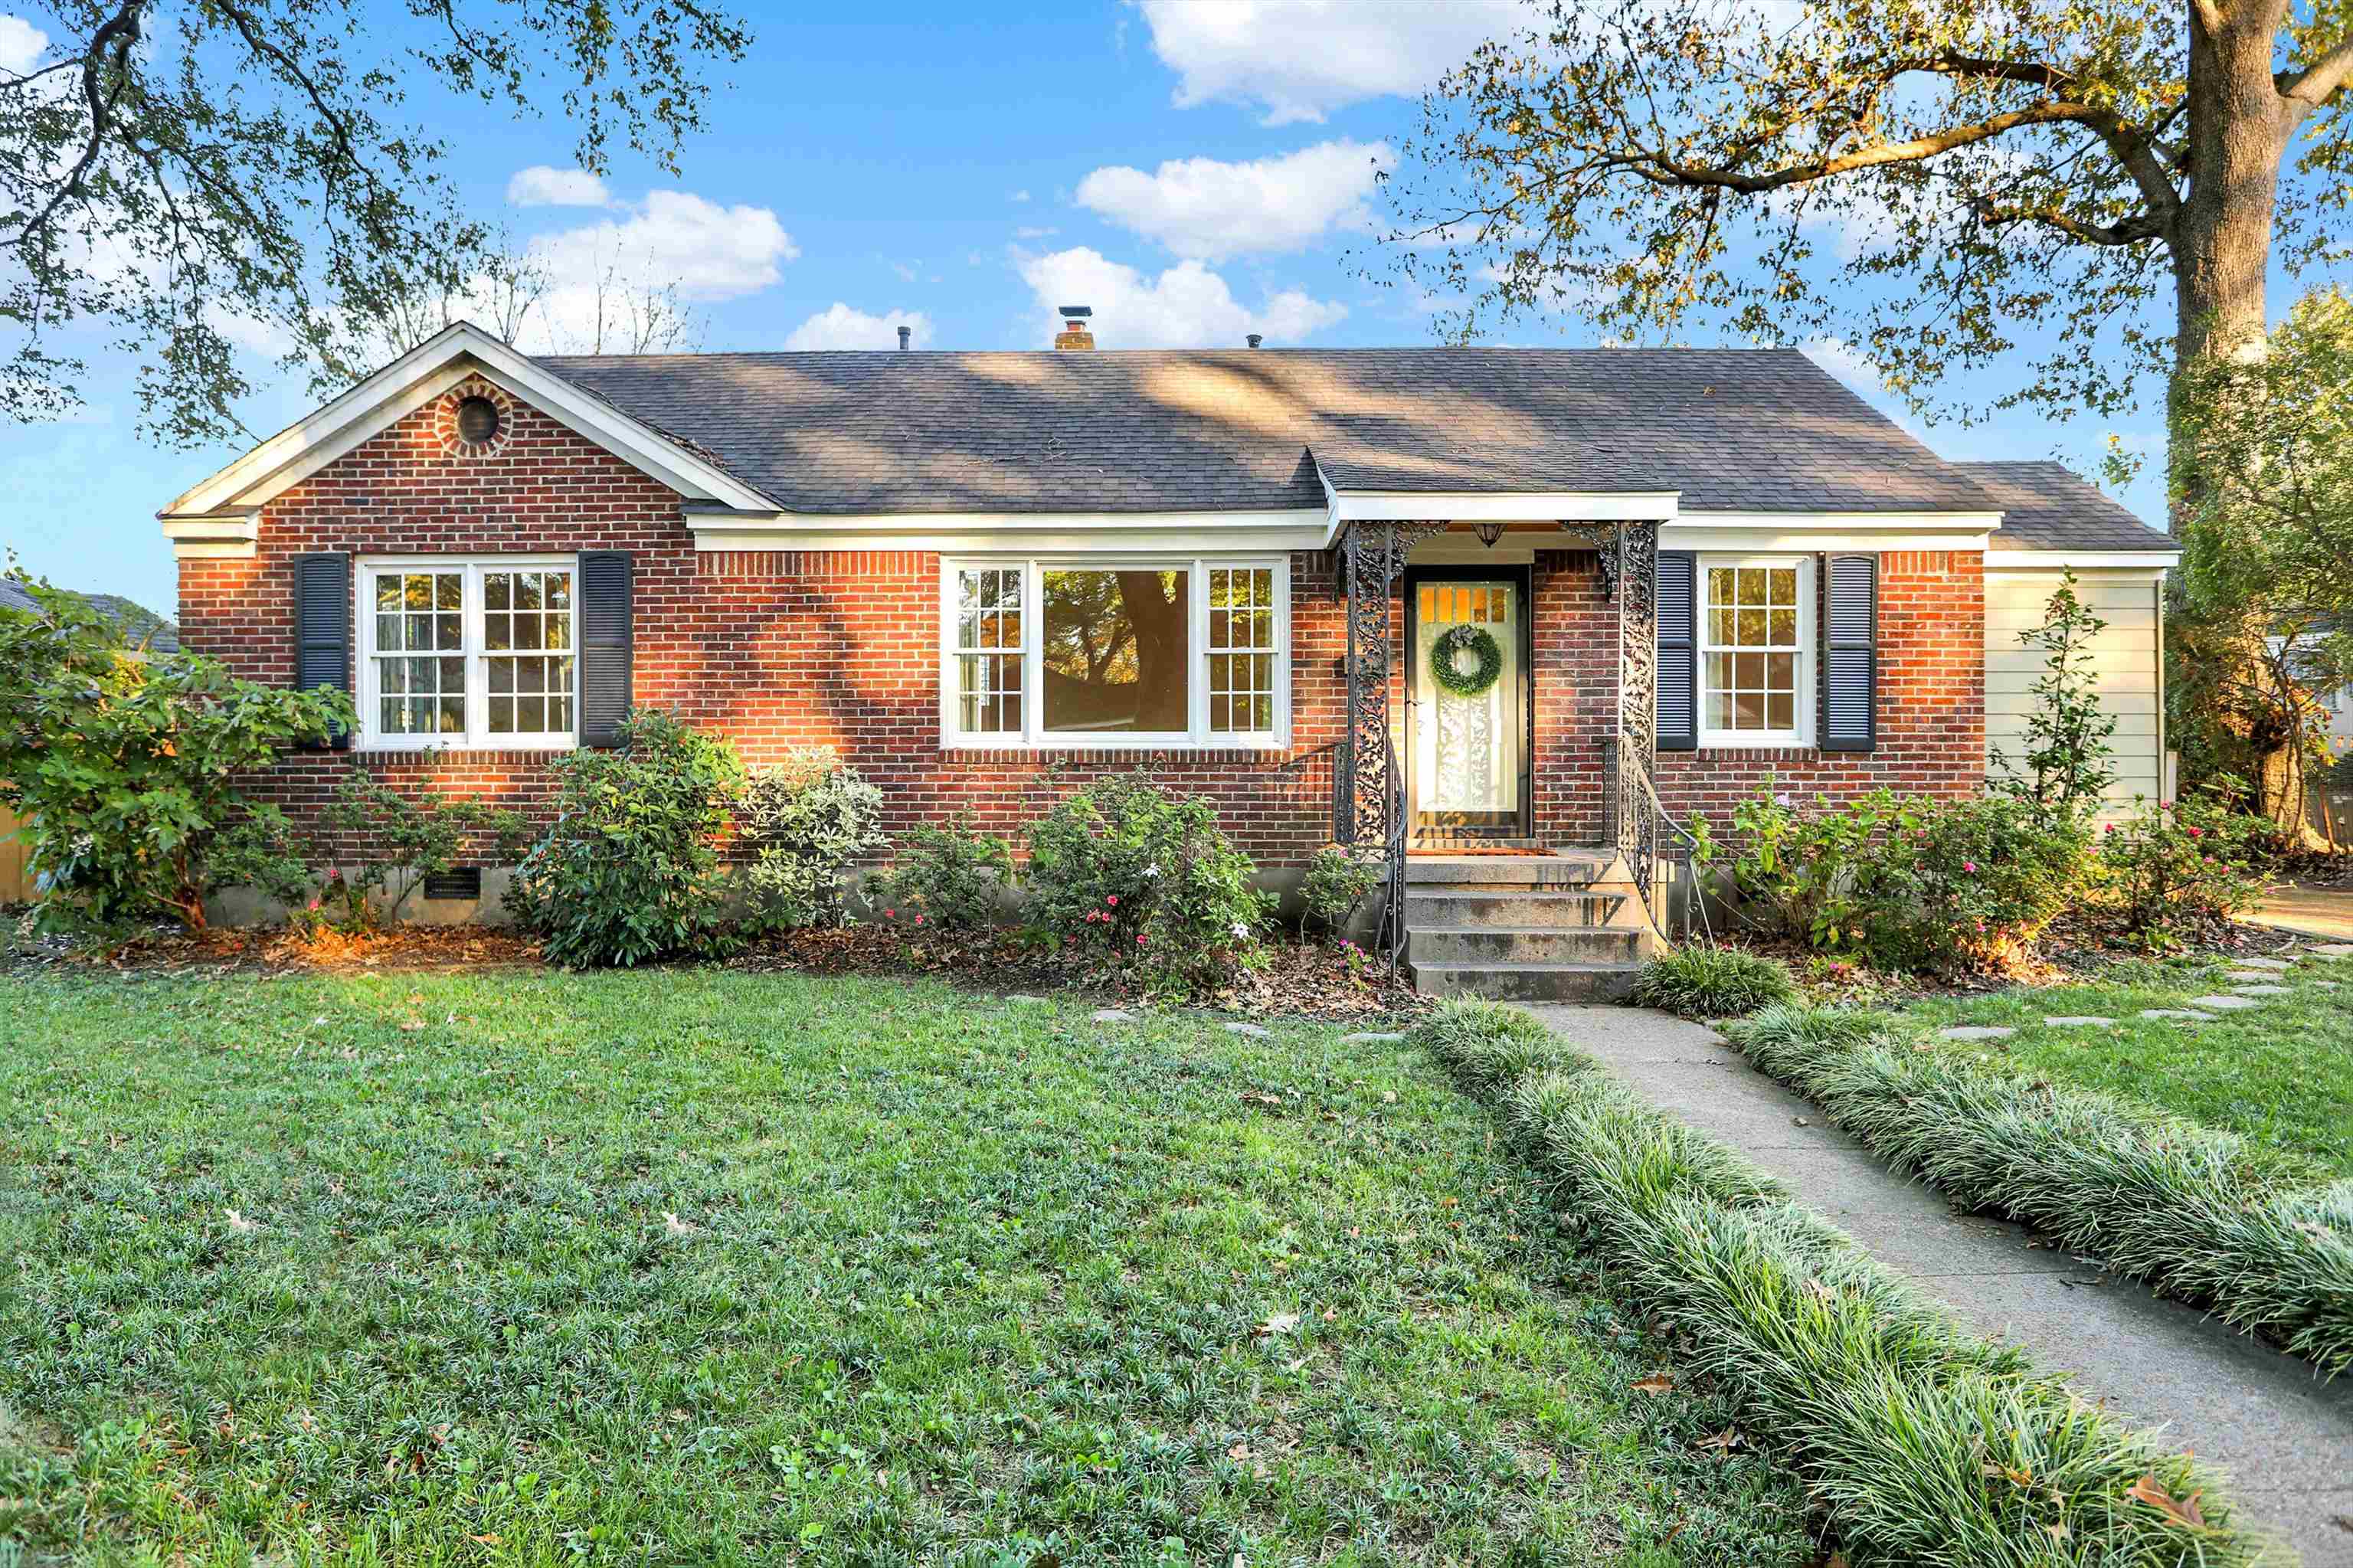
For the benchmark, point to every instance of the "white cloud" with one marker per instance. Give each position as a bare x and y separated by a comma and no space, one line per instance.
1200,207
1843,360
544,186
1299,59
839,327
673,241
1031,231
1188,306
1018,197
21,44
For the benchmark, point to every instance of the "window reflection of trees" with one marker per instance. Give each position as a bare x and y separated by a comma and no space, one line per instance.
1116,650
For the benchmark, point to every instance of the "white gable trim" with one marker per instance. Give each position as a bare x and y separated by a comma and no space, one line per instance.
415,378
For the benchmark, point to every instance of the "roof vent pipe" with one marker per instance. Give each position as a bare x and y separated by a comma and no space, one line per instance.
904,333
1254,339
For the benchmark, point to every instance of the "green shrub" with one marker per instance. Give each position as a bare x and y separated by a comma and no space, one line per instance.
1338,879
1907,883
953,878
807,821
125,769
2194,1211
2170,873
1128,872
392,842
1705,981
1913,1433
630,870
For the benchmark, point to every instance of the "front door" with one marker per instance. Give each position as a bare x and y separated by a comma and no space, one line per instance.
1468,695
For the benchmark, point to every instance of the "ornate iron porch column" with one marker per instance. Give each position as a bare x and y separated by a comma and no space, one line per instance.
1368,793
1636,562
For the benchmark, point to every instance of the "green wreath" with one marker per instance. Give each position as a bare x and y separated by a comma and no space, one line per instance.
1479,640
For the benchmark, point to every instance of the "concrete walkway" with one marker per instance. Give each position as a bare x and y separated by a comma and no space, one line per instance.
2284,1436
2314,911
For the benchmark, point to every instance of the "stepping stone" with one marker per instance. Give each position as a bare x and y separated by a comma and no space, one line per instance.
2264,990
2078,1020
2223,1003
1976,1031
2182,1012
2247,974
1112,1015
1252,1029
1371,1038
2274,965
2326,985
2332,950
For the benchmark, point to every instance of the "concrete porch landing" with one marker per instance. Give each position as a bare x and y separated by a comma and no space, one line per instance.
2284,1436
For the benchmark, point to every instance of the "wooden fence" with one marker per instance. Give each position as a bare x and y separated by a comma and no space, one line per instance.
15,874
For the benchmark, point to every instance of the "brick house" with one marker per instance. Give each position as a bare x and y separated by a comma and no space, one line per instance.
985,577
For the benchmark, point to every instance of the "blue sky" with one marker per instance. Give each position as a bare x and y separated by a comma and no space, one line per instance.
1194,169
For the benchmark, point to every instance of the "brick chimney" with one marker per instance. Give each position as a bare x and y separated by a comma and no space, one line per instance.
1074,332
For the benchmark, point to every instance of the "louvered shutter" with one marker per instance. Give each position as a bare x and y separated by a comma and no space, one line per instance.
1678,674
1851,654
605,645
323,627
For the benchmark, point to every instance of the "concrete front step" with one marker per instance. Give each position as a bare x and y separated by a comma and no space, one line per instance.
1558,870
1524,981
1554,908
1522,944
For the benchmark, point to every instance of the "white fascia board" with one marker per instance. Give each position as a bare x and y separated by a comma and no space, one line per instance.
1031,532
1846,522
1691,537
2051,560
426,372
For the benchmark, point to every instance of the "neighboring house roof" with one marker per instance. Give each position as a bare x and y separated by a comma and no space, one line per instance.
137,624
1151,431
2045,507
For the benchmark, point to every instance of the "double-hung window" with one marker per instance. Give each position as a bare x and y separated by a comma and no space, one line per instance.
1080,652
1756,649
480,654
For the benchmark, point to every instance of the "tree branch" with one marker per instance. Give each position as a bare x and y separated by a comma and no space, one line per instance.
117,38
2313,86
1663,169
2132,230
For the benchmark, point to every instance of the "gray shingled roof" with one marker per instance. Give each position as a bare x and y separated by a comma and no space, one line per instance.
1155,430
137,623
2045,507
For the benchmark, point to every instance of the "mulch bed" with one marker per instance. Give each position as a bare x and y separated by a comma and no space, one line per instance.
1301,979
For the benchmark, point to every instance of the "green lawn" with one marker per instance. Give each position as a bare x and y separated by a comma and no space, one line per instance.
695,1267
2280,1073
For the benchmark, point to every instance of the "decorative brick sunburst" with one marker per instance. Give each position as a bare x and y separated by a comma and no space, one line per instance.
451,419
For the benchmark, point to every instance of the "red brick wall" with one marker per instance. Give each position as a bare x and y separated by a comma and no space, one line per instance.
778,649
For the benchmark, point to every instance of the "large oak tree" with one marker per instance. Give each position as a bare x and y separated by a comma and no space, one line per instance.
1930,180
180,177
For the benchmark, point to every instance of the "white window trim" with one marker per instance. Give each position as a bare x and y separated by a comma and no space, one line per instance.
476,735
1802,735
1034,735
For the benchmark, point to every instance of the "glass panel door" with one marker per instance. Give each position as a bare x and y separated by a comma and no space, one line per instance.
1468,725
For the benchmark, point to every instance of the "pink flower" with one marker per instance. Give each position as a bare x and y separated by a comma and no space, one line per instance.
1971,866
1139,938
2109,829
889,914
919,919
2196,832
1112,899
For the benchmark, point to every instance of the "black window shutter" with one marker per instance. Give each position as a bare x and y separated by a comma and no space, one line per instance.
605,645
323,627
1678,676
1851,654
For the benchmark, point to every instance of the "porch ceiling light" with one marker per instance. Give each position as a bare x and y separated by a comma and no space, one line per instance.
1489,532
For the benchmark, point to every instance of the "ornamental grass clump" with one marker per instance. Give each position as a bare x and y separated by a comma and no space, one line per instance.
2196,1213
1702,980
1926,1445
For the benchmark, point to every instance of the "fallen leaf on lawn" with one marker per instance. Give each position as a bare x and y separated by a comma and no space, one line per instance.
2057,1532
1331,1314
411,1025
677,1226
487,1539
2182,1511
1239,1452
1279,1323
1722,1442
238,1222
1388,1097
1657,1382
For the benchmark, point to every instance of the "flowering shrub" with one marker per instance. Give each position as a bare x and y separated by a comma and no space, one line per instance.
1907,883
400,843
1338,879
807,820
949,878
2166,872
1128,872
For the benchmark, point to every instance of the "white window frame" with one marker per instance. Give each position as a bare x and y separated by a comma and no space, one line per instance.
1803,735
476,735
1034,735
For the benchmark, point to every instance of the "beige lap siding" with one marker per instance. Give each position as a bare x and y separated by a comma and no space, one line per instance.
2124,657
777,649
